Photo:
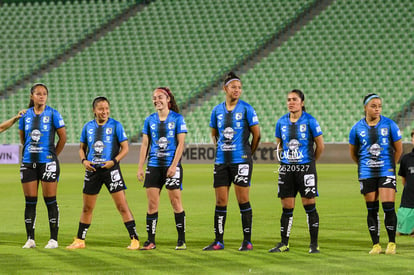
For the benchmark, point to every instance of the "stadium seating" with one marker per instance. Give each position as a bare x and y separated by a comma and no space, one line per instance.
350,49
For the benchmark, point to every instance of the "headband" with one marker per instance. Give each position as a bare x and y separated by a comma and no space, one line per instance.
369,99
227,83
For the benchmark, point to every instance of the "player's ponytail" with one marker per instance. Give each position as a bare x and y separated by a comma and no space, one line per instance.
31,103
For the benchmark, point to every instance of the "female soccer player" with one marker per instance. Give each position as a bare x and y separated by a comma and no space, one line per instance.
39,161
9,123
232,122
163,137
375,145
103,144
296,134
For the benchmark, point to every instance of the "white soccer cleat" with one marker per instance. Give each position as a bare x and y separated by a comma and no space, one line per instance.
29,244
52,244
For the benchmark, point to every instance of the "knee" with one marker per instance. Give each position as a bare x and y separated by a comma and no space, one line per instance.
87,209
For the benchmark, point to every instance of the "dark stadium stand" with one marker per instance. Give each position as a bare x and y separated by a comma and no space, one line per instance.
349,49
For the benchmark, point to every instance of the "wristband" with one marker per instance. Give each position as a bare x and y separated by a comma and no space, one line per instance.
83,160
115,161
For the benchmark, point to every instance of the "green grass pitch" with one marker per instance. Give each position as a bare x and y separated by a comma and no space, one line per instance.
343,236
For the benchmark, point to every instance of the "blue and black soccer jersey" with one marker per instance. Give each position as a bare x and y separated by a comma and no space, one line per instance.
103,141
39,135
297,138
234,131
375,147
162,137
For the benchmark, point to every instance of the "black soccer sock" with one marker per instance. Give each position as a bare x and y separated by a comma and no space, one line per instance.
130,226
53,214
373,221
152,220
180,225
246,217
286,221
313,223
82,230
219,222
30,216
390,220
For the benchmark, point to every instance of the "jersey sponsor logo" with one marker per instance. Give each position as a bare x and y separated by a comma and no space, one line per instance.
375,149
162,143
35,135
384,131
171,125
318,129
61,122
309,180
228,133
302,127
399,133
124,134
46,119
228,147
243,170
239,116
255,119
292,154
183,127
108,131
375,164
98,147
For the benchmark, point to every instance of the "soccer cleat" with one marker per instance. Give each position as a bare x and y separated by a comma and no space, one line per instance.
314,249
246,246
77,244
134,244
148,245
280,247
376,249
180,245
52,244
214,246
391,248
29,244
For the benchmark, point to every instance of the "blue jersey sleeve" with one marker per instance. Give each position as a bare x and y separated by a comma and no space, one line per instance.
395,131
21,123
145,129
252,116
58,120
315,127
213,119
277,130
352,136
83,137
120,133
181,126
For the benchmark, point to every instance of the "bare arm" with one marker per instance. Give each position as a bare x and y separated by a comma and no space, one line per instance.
82,154
142,157
320,146
22,137
398,147
255,129
61,132
9,123
122,153
214,135
353,150
178,153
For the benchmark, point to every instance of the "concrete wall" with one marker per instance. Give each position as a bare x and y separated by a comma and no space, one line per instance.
334,153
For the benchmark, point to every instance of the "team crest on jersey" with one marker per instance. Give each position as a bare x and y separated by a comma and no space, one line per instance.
302,127
108,131
384,131
171,125
46,119
239,116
